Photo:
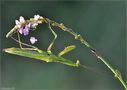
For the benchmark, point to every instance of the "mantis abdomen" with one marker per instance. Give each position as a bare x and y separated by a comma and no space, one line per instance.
44,56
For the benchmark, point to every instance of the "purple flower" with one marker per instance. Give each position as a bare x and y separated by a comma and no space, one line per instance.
24,30
22,27
20,22
36,20
33,40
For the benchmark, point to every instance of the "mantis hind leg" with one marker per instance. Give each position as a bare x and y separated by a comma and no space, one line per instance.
55,36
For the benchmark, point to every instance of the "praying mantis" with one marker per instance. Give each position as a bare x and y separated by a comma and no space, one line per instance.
34,52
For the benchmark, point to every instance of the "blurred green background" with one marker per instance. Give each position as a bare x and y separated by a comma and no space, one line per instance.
102,23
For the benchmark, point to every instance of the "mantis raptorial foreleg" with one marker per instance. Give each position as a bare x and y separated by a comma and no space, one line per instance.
55,36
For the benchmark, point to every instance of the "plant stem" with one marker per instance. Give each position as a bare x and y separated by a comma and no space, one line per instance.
116,73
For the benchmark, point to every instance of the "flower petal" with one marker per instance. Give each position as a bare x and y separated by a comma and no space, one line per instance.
20,30
33,40
26,30
17,22
21,19
29,25
36,17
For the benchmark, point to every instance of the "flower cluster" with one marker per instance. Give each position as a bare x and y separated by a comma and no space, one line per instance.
24,26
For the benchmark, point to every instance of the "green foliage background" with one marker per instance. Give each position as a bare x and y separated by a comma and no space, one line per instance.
102,23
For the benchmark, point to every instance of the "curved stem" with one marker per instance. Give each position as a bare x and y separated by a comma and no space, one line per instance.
116,73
